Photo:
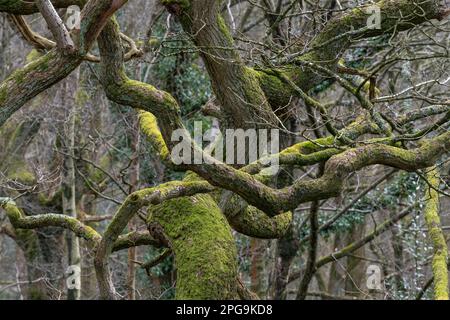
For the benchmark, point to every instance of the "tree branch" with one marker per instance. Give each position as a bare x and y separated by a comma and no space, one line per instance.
18,220
440,250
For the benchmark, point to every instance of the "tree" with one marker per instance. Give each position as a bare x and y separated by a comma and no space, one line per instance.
343,51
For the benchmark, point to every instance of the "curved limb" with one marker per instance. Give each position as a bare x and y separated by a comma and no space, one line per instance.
272,201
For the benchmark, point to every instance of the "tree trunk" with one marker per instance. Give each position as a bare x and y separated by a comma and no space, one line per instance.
203,245
69,194
134,182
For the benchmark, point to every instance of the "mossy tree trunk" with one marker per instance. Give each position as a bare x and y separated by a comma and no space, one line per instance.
195,227
204,247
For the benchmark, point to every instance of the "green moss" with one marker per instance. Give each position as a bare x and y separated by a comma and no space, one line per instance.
42,64
19,76
39,64
132,91
224,29
3,95
204,248
308,147
81,97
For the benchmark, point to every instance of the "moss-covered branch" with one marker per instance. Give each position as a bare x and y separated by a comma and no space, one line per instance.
251,221
148,124
19,221
440,250
273,202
